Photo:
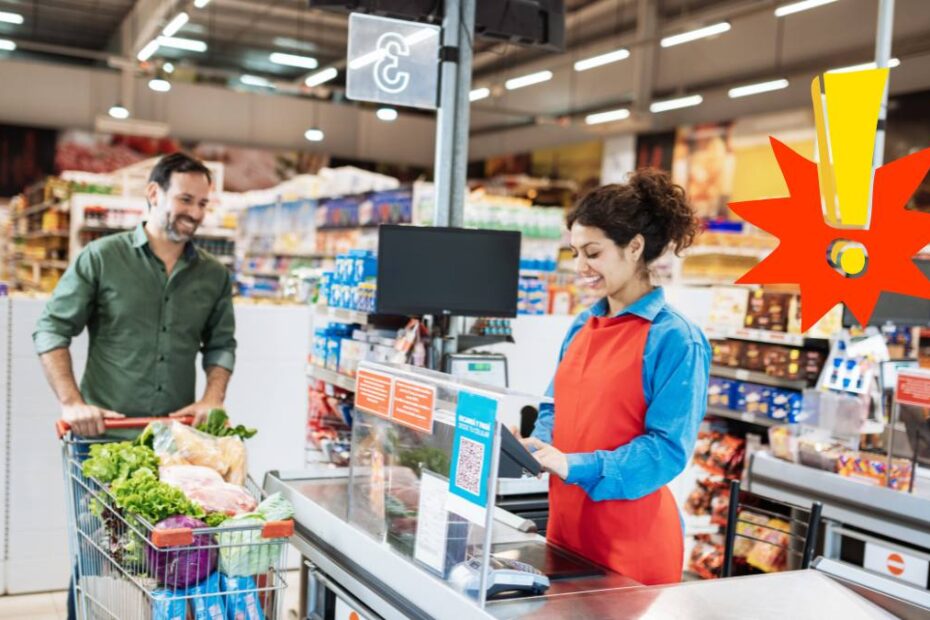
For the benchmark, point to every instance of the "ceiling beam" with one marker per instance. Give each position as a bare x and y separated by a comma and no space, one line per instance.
141,25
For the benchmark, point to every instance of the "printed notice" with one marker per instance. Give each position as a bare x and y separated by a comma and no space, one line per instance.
913,387
373,392
413,405
471,456
432,522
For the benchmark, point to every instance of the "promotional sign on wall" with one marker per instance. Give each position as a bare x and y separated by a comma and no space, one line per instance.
393,61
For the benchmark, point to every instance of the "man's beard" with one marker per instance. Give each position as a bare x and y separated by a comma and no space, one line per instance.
175,235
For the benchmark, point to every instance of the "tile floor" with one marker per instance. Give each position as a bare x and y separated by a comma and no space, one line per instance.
53,605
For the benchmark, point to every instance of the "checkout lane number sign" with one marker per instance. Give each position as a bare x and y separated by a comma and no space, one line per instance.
393,61
895,563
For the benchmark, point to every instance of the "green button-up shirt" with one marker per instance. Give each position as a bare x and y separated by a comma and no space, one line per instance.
145,327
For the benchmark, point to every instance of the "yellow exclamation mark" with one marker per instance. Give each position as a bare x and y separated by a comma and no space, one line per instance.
846,107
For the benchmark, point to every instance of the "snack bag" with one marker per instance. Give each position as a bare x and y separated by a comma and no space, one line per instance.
233,451
241,599
208,600
166,605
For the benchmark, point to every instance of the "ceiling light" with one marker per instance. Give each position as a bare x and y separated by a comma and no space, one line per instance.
176,24
528,80
314,134
387,114
201,3
755,89
892,63
321,77
797,7
159,85
119,112
11,18
7,45
479,94
146,52
607,117
674,104
255,80
183,44
167,67
602,59
294,44
694,35
293,60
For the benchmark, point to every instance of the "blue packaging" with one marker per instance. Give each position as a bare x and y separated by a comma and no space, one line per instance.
720,392
365,266
326,280
167,606
207,599
786,405
333,345
753,398
242,601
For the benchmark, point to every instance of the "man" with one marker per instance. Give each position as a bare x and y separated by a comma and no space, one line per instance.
150,300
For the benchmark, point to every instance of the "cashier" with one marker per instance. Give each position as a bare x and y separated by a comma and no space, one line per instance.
630,389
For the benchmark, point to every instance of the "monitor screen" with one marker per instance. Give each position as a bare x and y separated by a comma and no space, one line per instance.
453,271
901,310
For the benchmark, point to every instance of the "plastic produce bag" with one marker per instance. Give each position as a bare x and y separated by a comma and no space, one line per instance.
245,553
206,487
178,444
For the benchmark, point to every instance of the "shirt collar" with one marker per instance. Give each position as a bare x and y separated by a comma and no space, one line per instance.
648,306
140,239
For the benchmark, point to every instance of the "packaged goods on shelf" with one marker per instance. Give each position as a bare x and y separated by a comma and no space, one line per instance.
720,454
351,285
706,559
873,469
753,398
720,393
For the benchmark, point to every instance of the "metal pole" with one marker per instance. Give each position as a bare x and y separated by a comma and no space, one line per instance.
883,37
452,119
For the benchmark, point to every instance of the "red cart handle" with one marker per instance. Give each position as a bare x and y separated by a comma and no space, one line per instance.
62,427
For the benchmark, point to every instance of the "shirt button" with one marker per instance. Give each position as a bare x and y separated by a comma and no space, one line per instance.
166,298
164,328
161,358
159,388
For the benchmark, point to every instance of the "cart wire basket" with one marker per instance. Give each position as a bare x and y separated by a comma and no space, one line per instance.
127,569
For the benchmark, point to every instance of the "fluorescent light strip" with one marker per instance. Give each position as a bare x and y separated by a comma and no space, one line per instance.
892,63
797,7
118,112
694,35
167,67
674,104
176,24
293,60
528,80
755,89
321,77
11,18
602,59
146,52
387,114
314,135
607,117
159,85
478,94
7,46
179,43
255,80
201,3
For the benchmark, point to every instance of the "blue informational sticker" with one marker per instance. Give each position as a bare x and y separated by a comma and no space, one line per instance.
471,456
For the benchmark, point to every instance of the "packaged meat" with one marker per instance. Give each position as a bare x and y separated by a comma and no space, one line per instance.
206,487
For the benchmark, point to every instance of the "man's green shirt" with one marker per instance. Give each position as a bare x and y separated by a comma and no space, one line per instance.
145,327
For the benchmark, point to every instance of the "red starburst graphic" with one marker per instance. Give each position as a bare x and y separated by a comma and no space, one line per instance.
894,237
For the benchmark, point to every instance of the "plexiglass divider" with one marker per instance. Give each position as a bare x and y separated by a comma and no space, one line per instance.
424,468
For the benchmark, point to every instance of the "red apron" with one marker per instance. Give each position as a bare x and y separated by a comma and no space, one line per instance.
600,405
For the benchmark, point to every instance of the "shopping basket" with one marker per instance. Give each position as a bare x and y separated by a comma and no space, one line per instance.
125,568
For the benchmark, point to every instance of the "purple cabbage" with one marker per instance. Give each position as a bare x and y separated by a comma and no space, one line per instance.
182,567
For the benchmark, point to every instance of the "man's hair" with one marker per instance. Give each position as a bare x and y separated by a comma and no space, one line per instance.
176,162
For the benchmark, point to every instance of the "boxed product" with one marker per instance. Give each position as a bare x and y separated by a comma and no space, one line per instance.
753,398
753,357
819,454
720,392
768,311
786,405
873,469
727,352
777,361
351,352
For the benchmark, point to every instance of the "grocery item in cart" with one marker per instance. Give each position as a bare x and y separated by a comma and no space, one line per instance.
177,444
245,553
182,567
207,488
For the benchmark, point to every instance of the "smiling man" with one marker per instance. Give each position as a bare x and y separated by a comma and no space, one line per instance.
150,301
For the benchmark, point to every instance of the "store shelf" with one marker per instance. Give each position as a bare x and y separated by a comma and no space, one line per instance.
470,341
39,208
757,335
741,374
46,234
341,315
291,255
263,274
46,264
719,250
328,376
742,416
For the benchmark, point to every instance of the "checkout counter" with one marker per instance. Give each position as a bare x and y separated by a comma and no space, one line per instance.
392,536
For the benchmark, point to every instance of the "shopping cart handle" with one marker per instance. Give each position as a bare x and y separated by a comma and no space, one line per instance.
62,427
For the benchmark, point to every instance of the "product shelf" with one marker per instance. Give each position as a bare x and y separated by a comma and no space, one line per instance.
759,335
328,376
45,234
341,315
742,416
43,206
263,274
47,264
741,374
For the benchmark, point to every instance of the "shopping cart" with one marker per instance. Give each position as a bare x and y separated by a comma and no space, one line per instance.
126,569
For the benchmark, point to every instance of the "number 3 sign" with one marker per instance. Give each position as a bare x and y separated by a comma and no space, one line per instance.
393,61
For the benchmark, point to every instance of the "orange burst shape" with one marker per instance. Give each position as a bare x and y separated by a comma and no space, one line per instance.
893,238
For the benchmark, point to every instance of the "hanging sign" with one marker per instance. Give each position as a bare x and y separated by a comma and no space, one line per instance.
393,61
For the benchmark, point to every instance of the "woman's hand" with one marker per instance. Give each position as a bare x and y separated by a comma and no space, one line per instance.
551,459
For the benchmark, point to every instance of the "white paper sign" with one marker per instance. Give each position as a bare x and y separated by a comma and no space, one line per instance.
896,564
432,522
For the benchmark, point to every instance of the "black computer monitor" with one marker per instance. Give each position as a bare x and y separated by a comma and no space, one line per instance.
447,271
900,310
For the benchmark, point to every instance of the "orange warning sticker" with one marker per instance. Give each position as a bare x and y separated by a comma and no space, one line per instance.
413,405
913,388
373,392
895,564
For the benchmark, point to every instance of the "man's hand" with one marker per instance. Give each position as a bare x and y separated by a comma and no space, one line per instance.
198,411
551,459
87,420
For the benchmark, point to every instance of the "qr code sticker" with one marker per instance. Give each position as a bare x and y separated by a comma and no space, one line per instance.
468,468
